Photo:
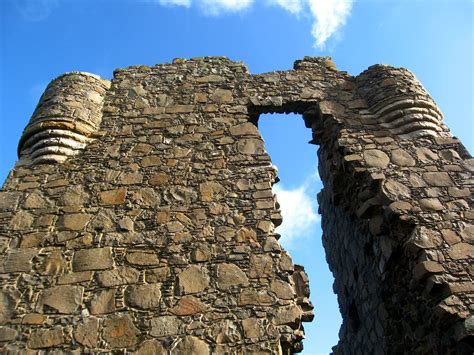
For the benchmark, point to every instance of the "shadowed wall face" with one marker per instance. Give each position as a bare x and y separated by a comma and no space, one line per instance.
155,232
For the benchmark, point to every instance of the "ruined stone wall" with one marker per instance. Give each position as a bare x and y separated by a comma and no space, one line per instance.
140,215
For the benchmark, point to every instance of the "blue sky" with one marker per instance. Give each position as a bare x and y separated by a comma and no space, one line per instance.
40,39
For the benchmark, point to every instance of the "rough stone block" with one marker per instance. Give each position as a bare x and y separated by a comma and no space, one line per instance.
92,259
119,332
64,299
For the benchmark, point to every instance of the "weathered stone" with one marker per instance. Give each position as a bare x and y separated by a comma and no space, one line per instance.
74,221
246,235
7,334
119,332
375,158
221,96
54,264
64,299
159,179
174,226
201,253
265,226
426,155
192,345
46,338
431,204
188,306
230,275
74,196
438,179
449,154
92,259
142,258
282,290
252,328
260,265
162,217
86,333
34,239
426,238
226,331
457,192
151,160
131,178
288,315
146,197
113,197
461,251
467,233
192,280
125,224
103,302
450,236
180,109
401,157
250,146
151,347
34,319
9,200
21,220
75,277
244,129
271,244
121,275
401,206
157,275
19,260
397,189
211,191
146,296
212,78
35,200
165,326
254,297
286,264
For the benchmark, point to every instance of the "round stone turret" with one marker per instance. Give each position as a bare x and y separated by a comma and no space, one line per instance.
67,115
399,103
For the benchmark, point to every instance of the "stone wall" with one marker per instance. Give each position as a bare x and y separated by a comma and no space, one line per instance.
155,234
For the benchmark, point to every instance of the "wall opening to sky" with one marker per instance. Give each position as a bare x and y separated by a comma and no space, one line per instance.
286,140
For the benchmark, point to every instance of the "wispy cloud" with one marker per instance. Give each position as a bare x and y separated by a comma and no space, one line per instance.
35,10
215,7
328,16
293,6
185,3
299,210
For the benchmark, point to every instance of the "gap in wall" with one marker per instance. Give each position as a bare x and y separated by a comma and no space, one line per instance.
286,140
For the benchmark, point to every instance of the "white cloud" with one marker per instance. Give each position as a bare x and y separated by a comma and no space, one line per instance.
299,210
293,6
330,16
185,3
215,7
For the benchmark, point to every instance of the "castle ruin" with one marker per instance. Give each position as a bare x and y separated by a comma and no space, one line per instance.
140,216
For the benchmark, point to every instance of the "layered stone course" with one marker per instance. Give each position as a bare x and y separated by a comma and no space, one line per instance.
65,120
158,234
